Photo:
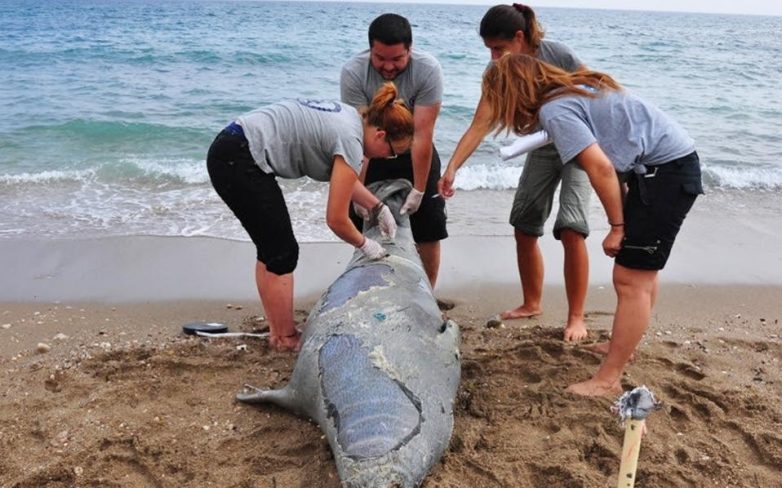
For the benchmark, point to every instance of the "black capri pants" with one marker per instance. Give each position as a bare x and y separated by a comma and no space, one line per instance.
256,200
655,207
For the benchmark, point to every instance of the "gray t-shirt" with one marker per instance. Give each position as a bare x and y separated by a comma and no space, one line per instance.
421,83
631,132
299,138
558,54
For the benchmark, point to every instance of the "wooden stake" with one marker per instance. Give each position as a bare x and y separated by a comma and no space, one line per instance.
631,447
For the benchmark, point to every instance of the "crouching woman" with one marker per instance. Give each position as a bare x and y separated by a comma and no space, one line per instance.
324,140
612,134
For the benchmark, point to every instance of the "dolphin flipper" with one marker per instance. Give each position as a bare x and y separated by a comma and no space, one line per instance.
254,396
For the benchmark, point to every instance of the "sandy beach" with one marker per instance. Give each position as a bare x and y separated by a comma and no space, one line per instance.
101,388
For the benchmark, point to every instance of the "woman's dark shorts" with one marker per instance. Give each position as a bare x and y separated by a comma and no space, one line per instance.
654,210
428,223
256,200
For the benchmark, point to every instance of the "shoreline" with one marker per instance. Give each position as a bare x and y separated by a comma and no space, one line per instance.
724,240
141,269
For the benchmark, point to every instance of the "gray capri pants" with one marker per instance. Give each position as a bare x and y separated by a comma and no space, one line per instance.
534,198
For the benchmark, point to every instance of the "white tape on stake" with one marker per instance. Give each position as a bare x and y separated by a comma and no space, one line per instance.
524,144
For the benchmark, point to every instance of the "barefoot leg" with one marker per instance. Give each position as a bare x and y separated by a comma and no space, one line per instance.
529,260
576,283
276,292
635,290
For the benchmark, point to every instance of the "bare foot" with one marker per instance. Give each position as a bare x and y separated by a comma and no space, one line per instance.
594,387
520,313
599,347
286,343
575,331
602,348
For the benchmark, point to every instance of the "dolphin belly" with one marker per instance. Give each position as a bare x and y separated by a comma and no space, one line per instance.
379,367
372,413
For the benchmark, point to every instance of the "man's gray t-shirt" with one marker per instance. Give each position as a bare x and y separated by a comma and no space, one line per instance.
421,83
631,132
299,138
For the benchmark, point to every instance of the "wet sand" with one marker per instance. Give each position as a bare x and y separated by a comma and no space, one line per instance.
101,388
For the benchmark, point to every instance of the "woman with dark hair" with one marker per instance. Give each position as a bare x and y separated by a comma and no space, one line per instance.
515,29
596,125
324,140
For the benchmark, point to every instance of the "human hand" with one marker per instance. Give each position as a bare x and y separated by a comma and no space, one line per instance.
445,184
372,249
613,241
412,203
386,220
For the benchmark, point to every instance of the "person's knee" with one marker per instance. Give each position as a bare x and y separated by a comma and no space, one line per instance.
571,237
283,263
633,283
524,239
429,251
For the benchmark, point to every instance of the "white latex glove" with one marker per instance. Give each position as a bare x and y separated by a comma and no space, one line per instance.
412,203
372,249
361,211
386,221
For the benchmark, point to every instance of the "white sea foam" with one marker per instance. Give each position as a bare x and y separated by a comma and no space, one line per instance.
481,177
745,178
47,176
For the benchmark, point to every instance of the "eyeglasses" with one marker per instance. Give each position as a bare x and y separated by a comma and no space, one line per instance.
393,155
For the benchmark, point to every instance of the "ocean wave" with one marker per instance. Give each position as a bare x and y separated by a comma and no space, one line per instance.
105,132
174,169
132,171
47,177
743,178
481,177
716,176
142,172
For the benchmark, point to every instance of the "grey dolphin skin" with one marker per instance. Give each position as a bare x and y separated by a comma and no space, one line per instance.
378,368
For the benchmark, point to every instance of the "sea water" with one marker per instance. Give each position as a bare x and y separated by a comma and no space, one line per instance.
107,107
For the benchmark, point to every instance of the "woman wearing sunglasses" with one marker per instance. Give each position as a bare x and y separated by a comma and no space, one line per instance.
324,140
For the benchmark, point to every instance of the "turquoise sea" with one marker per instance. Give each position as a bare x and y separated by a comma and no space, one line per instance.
107,107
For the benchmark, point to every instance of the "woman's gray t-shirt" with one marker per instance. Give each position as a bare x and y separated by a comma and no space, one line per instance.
631,132
297,138
559,55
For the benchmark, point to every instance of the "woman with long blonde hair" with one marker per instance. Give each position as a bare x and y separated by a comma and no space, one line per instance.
612,134
324,140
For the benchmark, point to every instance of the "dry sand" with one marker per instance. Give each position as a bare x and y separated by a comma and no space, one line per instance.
123,398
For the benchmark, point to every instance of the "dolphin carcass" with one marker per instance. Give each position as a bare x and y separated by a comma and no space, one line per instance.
378,368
